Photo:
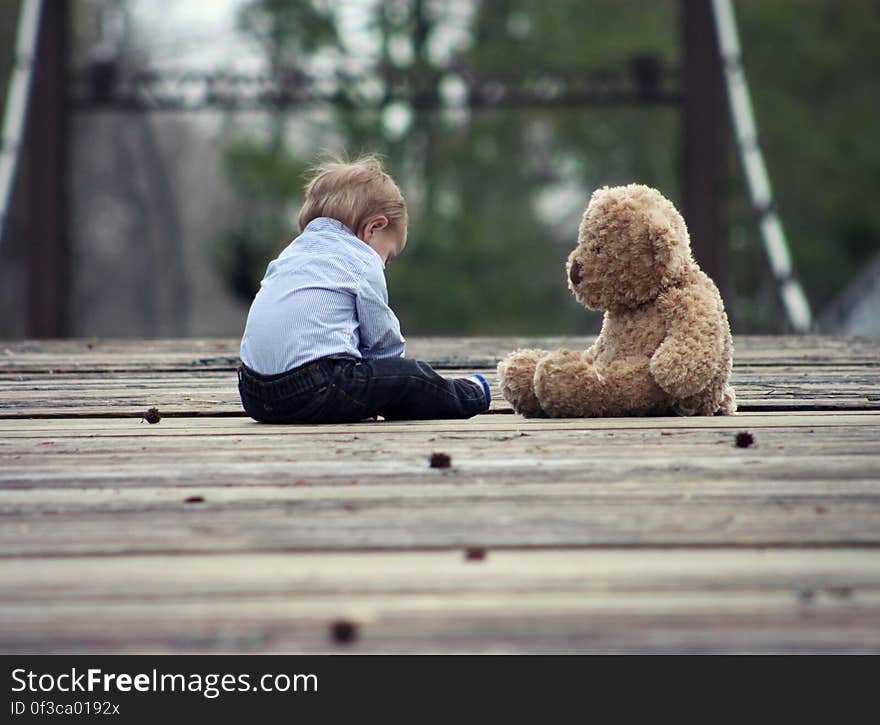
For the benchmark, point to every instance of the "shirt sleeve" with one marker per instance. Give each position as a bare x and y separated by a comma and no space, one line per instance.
378,326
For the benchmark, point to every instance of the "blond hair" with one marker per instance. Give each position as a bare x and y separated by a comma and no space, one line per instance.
352,192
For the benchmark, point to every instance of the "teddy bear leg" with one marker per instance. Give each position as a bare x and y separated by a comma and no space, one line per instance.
568,385
516,374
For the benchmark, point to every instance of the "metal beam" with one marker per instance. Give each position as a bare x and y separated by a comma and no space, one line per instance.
705,133
643,83
47,139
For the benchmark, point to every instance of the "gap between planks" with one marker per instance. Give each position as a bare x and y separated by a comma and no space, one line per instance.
213,426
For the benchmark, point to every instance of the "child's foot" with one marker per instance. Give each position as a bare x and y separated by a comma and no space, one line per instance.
484,384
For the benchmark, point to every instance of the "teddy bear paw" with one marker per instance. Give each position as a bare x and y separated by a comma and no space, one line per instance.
516,374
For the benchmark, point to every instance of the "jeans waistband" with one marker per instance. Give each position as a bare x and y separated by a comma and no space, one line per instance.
300,380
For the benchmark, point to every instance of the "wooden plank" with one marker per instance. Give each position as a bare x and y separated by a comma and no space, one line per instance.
86,380
240,425
195,377
518,601
411,522
510,423
182,497
367,457
526,623
505,448
134,406
216,393
825,572
222,354
629,486
123,453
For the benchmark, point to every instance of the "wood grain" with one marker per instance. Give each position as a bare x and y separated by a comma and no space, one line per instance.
208,532
196,377
512,601
192,354
76,394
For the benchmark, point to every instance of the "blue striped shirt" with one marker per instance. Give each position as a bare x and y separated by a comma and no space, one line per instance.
324,295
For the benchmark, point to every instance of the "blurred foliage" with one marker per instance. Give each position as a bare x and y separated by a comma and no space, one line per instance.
8,22
495,196
266,176
813,71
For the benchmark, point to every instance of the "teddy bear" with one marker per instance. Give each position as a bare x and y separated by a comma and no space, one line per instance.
665,346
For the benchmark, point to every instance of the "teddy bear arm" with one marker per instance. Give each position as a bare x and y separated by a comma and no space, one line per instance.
690,355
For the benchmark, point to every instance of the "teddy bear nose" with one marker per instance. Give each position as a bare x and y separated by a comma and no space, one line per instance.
575,273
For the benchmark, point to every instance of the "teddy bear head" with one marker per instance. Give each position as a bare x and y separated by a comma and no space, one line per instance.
632,244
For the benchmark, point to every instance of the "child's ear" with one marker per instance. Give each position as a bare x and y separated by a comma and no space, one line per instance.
376,224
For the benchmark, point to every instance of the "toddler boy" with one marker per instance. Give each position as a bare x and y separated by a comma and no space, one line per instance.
321,344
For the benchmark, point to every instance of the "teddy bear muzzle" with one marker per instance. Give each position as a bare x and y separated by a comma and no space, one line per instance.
575,273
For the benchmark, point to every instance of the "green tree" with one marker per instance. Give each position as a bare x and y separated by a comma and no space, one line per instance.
812,68
495,195
482,257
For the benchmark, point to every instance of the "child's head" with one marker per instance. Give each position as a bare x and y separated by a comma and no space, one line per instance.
361,195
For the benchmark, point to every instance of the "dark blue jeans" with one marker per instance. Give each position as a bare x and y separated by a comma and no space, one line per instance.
345,390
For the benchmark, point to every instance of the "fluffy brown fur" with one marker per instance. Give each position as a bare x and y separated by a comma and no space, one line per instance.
665,345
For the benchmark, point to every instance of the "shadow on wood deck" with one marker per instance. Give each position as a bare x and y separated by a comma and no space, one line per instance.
208,532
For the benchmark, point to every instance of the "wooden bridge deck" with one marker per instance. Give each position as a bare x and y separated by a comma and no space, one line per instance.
208,532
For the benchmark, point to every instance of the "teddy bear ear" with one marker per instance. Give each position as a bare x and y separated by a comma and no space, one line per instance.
670,247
